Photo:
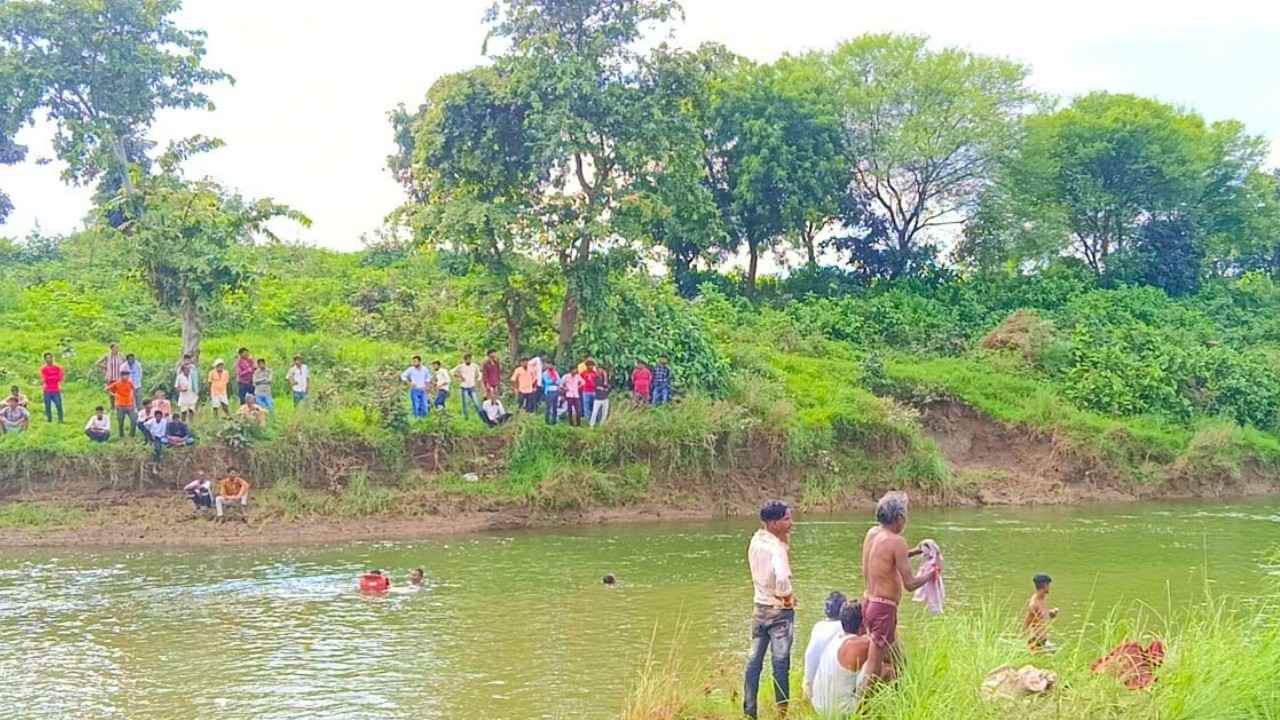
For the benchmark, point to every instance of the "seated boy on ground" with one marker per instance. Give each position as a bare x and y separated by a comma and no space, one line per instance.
1039,615
98,429
231,489
199,493
178,433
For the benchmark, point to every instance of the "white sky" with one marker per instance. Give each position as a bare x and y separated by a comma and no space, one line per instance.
306,121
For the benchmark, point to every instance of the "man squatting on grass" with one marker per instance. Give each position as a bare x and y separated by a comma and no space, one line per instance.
773,621
886,570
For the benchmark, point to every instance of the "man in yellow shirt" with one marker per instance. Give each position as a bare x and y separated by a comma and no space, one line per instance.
231,489
219,378
253,411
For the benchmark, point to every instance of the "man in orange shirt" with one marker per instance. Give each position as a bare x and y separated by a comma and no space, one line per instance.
231,489
219,378
524,381
121,391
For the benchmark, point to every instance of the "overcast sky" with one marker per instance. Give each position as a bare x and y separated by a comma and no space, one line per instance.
305,122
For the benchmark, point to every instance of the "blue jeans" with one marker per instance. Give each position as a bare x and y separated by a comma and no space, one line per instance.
553,407
772,629
418,398
661,394
441,397
470,394
52,399
121,414
588,402
265,401
298,397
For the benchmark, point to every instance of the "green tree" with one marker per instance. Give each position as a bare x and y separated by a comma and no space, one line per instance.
776,160
924,130
574,63
1111,172
188,240
99,70
465,161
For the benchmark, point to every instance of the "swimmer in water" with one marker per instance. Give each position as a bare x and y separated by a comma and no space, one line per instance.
416,576
610,581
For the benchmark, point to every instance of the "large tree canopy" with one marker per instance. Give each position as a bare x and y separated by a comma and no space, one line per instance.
99,70
1113,175
924,129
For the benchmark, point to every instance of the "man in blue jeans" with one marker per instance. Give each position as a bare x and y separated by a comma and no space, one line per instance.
773,621
661,382
418,378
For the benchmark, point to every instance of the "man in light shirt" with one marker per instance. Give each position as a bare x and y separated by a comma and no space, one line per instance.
442,380
98,429
536,366
219,378
418,378
299,377
774,618
467,373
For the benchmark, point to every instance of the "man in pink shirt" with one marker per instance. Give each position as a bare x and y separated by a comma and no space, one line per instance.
773,621
571,386
51,374
244,373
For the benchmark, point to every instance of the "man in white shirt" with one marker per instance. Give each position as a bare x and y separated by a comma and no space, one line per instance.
822,633
492,413
467,373
418,378
774,618
158,431
299,377
442,379
98,429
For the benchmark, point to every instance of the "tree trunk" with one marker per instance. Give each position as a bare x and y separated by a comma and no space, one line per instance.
123,159
190,329
568,324
810,235
513,331
753,262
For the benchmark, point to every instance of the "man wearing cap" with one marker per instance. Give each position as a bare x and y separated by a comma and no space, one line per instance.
774,617
219,379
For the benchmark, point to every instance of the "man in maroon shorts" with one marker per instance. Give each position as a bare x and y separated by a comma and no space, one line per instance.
886,571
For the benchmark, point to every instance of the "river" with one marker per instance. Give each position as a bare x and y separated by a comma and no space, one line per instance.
518,624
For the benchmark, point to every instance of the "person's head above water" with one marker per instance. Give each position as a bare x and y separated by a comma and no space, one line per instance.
851,617
415,577
835,601
609,579
1042,583
776,516
891,511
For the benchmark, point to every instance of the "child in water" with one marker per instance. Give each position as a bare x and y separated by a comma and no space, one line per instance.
1039,615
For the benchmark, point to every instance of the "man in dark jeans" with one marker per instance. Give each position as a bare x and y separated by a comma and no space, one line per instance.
661,382
773,621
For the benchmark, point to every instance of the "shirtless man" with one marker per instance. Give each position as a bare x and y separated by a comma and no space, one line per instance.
886,570
1038,615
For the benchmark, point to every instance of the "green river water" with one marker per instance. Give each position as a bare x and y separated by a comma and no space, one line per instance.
518,624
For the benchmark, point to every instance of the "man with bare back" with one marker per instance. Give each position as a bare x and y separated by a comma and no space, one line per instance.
886,571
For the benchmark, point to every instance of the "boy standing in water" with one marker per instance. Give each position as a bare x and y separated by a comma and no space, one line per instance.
1039,614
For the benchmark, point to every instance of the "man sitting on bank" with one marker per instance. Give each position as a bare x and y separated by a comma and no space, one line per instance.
199,493
13,417
837,683
231,489
98,429
492,412
252,411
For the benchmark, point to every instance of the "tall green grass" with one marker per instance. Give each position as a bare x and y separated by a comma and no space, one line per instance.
1221,664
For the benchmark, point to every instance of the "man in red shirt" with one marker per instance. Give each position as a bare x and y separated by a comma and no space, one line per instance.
51,373
491,375
641,377
244,373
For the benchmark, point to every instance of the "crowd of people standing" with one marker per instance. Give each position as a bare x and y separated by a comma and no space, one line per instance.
580,393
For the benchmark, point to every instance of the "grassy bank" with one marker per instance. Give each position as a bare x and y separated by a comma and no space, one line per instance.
1220,664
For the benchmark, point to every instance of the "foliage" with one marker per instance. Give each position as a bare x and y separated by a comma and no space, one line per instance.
100,71
923,128
1093,178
